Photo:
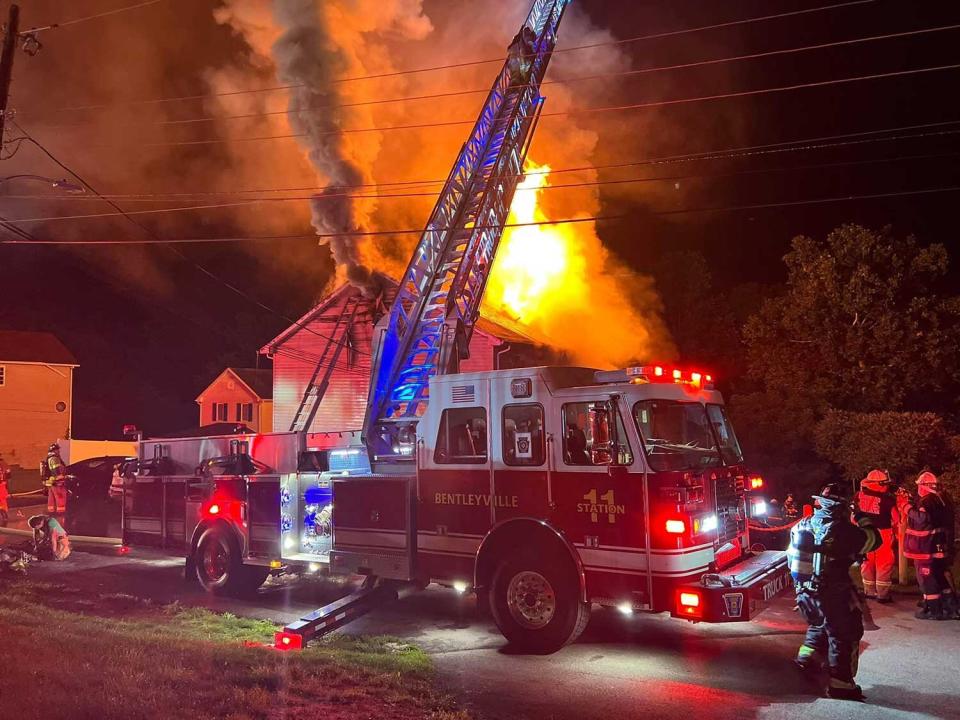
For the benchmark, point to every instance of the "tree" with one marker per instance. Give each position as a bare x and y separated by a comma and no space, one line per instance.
864,326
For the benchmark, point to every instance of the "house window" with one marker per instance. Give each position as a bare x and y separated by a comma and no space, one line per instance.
244,412
3,375
219,412
463,437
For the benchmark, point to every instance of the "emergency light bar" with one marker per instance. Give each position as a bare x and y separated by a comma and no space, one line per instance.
655,374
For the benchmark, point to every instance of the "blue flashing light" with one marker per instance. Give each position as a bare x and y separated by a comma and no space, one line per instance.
318,496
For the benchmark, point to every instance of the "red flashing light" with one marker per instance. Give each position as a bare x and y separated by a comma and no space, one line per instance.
676,527
284,640
688,604
708,378
220,507
123,549
658,371
677,375
756,482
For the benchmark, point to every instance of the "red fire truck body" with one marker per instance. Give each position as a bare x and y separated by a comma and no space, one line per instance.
627,484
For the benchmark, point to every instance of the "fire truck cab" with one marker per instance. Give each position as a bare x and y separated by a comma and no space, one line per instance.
550,489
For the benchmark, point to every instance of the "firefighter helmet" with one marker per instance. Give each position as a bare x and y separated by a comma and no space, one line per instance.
834,493
878,476
54,447
928,479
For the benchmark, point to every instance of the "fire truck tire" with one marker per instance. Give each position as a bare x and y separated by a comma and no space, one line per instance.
219,565
535,601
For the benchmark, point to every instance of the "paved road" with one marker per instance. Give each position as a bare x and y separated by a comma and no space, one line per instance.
637,667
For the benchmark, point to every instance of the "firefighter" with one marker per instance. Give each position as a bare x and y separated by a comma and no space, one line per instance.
822,549
50,540
520,52
4,497
925,542
877,500
790,510
53,473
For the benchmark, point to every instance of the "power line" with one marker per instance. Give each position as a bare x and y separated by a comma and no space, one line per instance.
75,21
559,186
156,240
450,66
559,113
565,221
565,81
810,143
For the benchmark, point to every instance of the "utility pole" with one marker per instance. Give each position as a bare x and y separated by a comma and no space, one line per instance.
6,62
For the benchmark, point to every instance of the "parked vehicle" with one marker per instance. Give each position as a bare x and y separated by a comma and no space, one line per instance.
93,505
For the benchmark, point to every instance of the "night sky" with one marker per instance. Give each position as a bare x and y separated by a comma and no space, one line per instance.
150,329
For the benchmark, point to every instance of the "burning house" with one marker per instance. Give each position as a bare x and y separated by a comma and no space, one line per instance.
321,363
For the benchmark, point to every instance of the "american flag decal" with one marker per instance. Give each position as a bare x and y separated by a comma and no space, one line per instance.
463,393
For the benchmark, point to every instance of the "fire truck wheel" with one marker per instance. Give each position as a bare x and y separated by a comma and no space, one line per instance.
535,601
220,568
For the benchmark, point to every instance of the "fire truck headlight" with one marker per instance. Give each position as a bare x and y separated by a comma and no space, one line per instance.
625,608
460,586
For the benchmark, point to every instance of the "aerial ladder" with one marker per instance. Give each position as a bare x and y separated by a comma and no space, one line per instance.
428,329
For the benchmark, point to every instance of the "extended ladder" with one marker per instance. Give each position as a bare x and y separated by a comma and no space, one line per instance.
431,321
320,380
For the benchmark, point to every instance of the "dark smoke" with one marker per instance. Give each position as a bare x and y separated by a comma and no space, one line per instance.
305,56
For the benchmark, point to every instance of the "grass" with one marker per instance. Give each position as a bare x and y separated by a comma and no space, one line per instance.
65,654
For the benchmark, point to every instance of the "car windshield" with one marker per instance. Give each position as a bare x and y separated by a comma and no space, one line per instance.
729,447
676,435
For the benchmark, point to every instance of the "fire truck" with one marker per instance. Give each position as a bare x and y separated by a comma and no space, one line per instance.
544,490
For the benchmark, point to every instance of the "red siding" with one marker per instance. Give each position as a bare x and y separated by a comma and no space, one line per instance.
345,401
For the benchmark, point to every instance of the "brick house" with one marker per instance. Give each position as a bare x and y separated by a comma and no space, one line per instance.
36,395
239,395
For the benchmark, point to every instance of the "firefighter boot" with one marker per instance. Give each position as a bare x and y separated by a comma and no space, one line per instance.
807,659
931,610
843,690
950,609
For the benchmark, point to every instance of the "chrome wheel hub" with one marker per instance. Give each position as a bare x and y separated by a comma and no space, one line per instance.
531,600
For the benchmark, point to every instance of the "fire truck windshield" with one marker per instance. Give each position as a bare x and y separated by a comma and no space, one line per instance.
729,447
676,435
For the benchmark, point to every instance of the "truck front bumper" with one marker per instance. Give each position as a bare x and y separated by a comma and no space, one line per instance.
738,593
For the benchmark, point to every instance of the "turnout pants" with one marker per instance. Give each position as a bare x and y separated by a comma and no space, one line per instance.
835,628
877,569
931,576
57,499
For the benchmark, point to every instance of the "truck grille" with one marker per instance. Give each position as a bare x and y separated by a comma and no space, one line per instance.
730,520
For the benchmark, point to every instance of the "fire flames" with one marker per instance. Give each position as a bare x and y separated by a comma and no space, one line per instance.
533,262
555,284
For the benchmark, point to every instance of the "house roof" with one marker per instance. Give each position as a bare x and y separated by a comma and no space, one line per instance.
501,328
34,347
260,381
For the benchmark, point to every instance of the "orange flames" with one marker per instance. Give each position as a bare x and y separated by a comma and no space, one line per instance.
532,262
554,282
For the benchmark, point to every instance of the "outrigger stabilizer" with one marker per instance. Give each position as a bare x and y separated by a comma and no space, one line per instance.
365,598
